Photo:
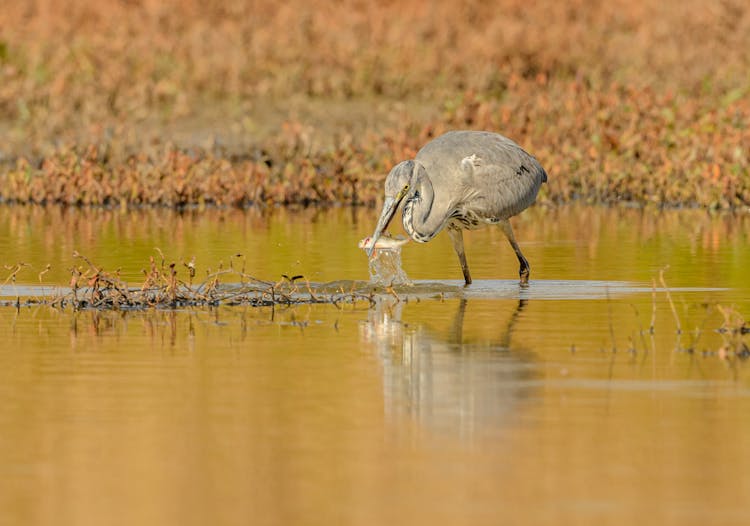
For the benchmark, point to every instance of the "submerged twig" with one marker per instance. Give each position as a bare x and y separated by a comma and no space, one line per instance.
611,324
669,298
653,307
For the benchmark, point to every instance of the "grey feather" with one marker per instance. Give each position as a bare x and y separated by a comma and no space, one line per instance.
504,180
463,180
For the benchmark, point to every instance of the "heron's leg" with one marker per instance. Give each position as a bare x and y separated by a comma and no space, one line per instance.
457,328
458,245
524,270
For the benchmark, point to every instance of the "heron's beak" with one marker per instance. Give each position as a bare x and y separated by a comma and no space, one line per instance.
389,210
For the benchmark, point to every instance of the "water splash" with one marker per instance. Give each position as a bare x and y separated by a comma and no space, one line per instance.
385,263
385,267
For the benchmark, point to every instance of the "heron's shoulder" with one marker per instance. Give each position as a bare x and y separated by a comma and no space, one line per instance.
478,153
453,146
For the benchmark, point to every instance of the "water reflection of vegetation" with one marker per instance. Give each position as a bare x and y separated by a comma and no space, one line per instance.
568,242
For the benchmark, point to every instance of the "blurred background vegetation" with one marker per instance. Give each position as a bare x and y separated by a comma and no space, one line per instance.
121,102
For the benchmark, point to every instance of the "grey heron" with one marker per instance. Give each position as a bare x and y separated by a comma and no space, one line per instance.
462,180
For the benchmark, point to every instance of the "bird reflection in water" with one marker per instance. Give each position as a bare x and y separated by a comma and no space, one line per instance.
450,385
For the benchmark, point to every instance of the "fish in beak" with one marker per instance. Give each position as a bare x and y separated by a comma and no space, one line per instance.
385,242
390,205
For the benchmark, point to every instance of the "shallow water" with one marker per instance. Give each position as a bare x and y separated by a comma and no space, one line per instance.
441,404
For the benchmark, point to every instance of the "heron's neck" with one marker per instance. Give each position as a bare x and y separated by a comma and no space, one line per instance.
417,219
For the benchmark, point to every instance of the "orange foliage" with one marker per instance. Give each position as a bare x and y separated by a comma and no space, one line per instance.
639,100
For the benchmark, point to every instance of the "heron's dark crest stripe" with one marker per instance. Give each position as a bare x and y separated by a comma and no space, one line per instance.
408,220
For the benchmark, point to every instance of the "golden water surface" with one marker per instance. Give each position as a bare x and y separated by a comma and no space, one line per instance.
555,405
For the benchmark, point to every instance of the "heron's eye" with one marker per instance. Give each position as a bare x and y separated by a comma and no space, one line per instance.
416,194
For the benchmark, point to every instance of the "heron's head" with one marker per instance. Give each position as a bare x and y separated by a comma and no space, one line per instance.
396,187
398,179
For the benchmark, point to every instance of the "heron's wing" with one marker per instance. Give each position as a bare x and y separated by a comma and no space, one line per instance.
482,173
501,184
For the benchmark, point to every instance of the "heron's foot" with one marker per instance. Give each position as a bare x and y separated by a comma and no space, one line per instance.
524,274
467,274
